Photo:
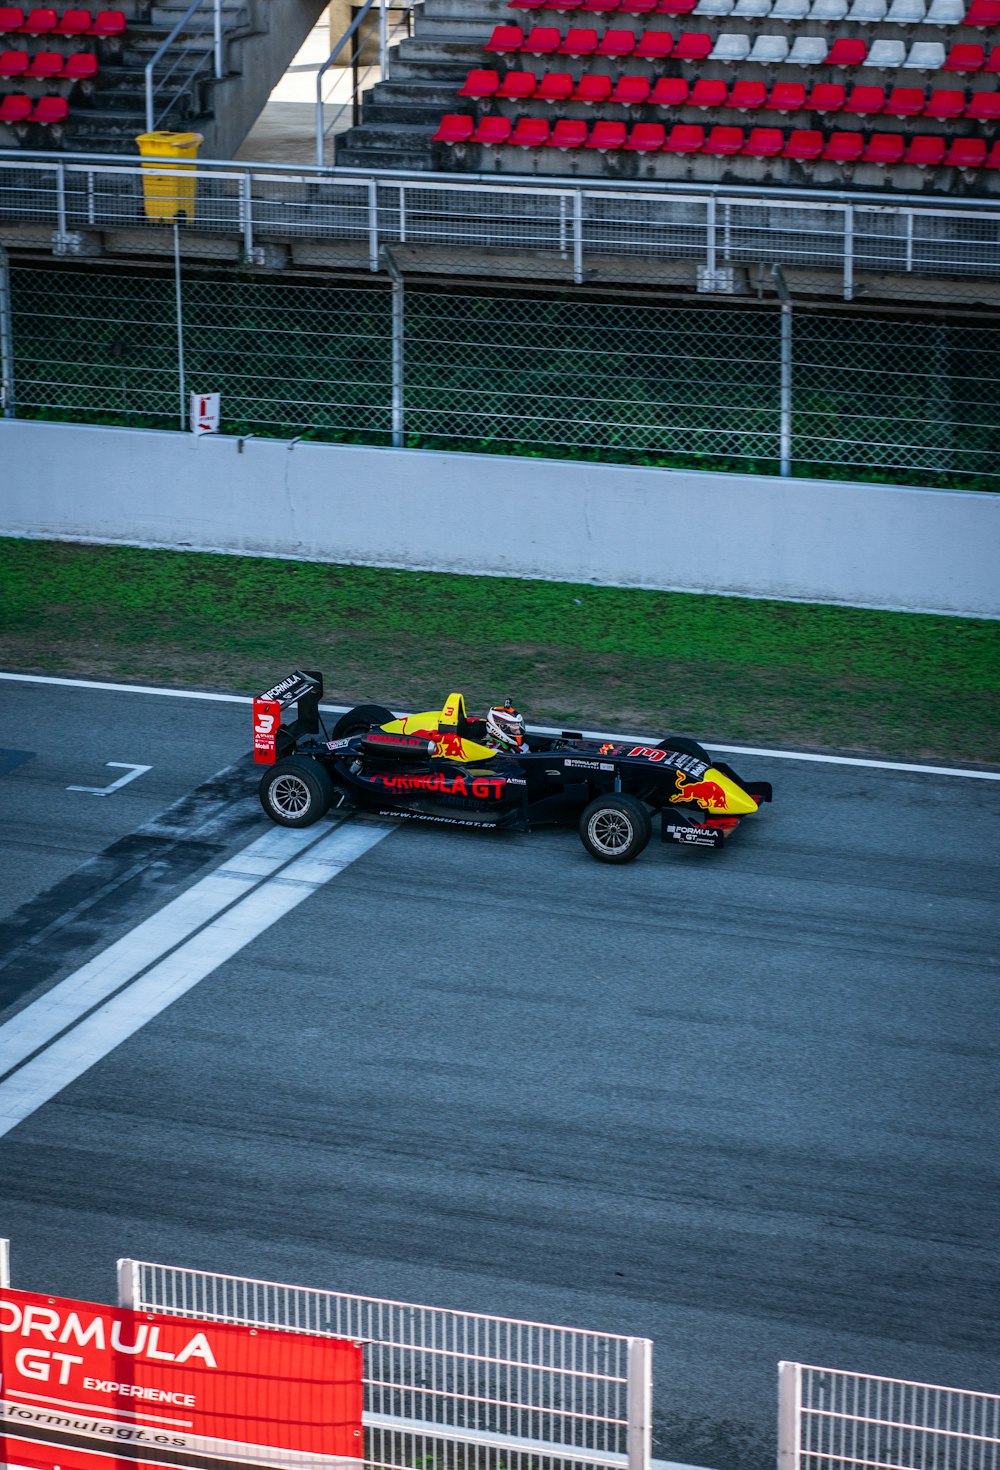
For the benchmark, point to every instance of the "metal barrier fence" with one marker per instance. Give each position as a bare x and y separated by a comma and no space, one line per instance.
761,388
831,1420
446,1388
533,229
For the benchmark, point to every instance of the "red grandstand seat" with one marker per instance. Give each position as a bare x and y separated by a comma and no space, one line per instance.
786,97
983,13
480,84
569,132
646,138
108,23
74,23
46,65
599,7
15,108
505,39
669,92
14,63
578,42
803,143
555,86
81,67
676,7
637,7
593,88
865,100
454,127
993,60
985,107
530,132
685,138
905,102
885,148
826,97
722,141
944,103
993,161
39,22
493,131
967,153
764,143
847,52
607,136
963,57
925,151
708,93
844,147
632,91
542,40
50,110
654,45
518,86
525,4
748,96
693,46
11,19
616,43
562,5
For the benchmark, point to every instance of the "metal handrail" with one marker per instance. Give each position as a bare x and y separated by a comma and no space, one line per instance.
151,120
383,65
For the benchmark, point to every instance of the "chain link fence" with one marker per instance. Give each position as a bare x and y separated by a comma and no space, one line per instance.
845,394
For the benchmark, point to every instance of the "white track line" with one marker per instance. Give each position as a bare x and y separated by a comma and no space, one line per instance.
47,1057
767,751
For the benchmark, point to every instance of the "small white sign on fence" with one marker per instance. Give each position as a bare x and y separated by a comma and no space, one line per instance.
205,413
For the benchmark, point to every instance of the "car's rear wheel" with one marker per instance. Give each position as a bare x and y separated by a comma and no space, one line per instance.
615,829
361,719
296,792
684,745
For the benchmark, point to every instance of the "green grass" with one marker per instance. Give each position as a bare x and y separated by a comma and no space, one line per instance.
903,684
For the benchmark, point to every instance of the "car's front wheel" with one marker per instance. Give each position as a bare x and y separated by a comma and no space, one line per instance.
615,829
296,792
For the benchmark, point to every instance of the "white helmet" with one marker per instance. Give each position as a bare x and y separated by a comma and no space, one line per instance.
504,728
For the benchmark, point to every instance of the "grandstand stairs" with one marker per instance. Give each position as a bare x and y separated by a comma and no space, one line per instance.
260,38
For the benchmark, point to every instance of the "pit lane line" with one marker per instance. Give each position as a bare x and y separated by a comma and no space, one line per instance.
65,1032
339,709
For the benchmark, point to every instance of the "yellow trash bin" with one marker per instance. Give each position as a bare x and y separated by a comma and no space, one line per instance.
168,191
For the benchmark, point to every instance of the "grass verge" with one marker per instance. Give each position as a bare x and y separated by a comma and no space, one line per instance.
723,668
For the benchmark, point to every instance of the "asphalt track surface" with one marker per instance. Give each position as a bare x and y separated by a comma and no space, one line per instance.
744,1103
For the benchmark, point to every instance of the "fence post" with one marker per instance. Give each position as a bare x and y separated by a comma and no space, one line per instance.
6,351
128,1283
789,1416
785,421
180,325
246,204
4,1265
218,40
398,343
578,238
373,224
848,252
640,1401
710,237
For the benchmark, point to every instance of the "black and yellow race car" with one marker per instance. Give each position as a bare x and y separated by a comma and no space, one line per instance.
433,767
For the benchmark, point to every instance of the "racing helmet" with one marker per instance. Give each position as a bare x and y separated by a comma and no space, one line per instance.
504,728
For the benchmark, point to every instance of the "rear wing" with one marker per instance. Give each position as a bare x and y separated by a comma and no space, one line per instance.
273,739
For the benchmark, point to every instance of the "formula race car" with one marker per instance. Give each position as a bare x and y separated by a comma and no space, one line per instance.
433,767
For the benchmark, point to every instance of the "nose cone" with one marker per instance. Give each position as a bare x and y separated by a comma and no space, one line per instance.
738,803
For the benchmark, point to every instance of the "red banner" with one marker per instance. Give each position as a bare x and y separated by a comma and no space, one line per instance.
87,1387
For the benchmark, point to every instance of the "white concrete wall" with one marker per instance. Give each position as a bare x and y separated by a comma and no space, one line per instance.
824,541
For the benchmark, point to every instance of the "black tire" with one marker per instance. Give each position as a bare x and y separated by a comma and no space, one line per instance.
361,719
685,746
296,792
615,829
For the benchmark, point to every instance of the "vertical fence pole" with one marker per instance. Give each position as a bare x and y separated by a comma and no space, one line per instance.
246,205
6,339
4,1265
710,238
640,1402
383,42
785,373
180,325
578,238
789,1416
218,40
373,224
61,208
398,343
128,1283
848,252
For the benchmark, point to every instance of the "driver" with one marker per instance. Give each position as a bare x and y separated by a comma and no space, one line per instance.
505,730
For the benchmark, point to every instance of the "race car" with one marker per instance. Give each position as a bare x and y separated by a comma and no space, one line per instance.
434,767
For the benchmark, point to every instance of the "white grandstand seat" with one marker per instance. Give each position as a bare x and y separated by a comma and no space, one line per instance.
713,7
789,9
771,49
808,51
906,12
828,10
731,46
751,9
925,56
867,12
945,12
887,55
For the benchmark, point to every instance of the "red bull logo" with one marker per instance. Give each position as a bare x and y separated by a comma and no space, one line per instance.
708,794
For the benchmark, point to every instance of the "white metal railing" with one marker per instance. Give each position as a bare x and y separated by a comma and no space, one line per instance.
833,1420
456,1387
388,35
566,228
187,63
